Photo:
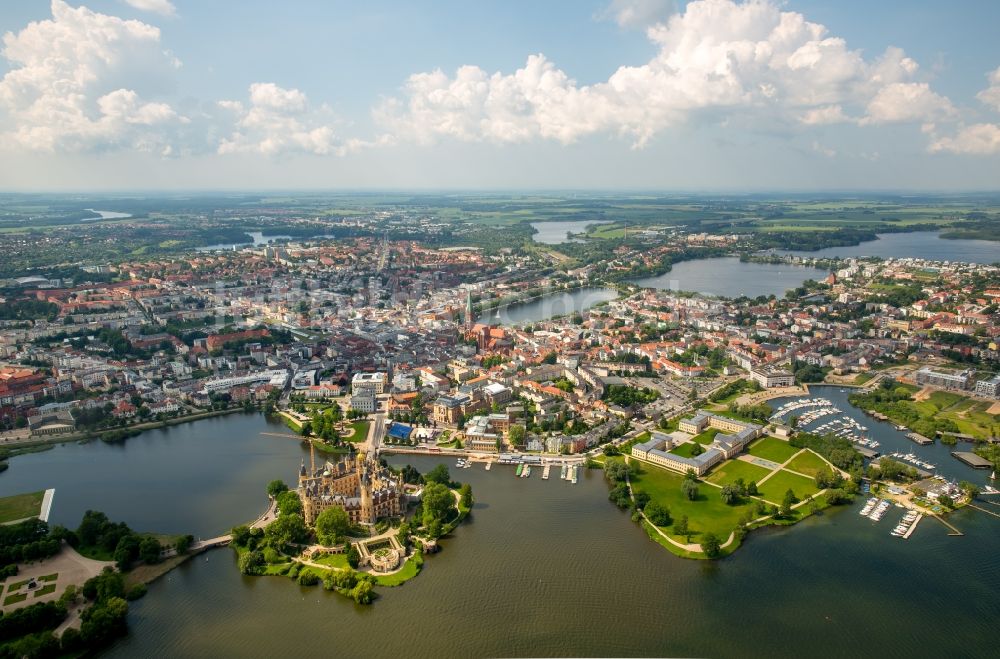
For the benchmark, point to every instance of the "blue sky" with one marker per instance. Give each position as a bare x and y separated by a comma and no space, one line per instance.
626,94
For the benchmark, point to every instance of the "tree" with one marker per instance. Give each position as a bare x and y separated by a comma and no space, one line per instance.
657,513
276,487
946,501
516,435
615,471
285,530
363,593
690,489
126,551
681,528
438,474
752,489
466,495
289,503
437,503
730,495
353,556
183,543
149,550
252,562
241,535
331,525
710,545
641,499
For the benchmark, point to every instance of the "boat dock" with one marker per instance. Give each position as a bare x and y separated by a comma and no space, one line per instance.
913,527
971,459
545,472
919,439
488,465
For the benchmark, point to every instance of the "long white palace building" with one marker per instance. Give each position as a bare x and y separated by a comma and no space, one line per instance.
723,447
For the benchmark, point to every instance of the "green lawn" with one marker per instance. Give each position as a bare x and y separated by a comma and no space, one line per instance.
360,431
411,568
707,513
14,599
706,437
774,488
731,470
685,450
49,577
20,506
772,448
333,560
808,463
45,590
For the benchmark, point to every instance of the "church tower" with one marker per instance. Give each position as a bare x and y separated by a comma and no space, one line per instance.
468,310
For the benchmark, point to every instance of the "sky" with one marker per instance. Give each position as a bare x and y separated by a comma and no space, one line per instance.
704,95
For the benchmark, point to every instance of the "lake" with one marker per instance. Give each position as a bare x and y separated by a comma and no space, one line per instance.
546,568
548,306
256,238
918,244
540,568
555,233
105,215
729,277
201,478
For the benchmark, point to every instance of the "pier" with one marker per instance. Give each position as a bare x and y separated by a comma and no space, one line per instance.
919,439
545,472
971,459
953,530
913,527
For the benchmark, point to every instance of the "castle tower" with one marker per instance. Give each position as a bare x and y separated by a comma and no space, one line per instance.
312,458
365,486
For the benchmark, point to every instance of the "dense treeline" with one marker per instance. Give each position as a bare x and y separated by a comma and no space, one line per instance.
28,309
27,541
838,450
896,403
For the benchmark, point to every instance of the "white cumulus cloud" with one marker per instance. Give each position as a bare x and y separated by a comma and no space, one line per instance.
279,121
977,139
162,7
991,95
73,83
907,101
718,55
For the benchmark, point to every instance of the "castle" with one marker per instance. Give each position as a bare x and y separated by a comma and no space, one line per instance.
364,488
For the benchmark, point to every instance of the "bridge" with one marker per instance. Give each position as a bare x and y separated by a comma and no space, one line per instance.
261,522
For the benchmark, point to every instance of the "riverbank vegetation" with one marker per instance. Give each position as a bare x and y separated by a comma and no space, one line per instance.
942,412
101,601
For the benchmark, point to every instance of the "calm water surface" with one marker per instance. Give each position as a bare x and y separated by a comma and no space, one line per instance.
555,233
729,277
200,478
919,244
541,568
549,306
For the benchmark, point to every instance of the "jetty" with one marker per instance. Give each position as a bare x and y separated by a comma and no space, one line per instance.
971,459
545,472
913,527
919,439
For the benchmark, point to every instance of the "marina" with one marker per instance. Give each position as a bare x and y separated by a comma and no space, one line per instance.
913,460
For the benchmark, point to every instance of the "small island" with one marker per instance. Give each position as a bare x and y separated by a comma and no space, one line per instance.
352,524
